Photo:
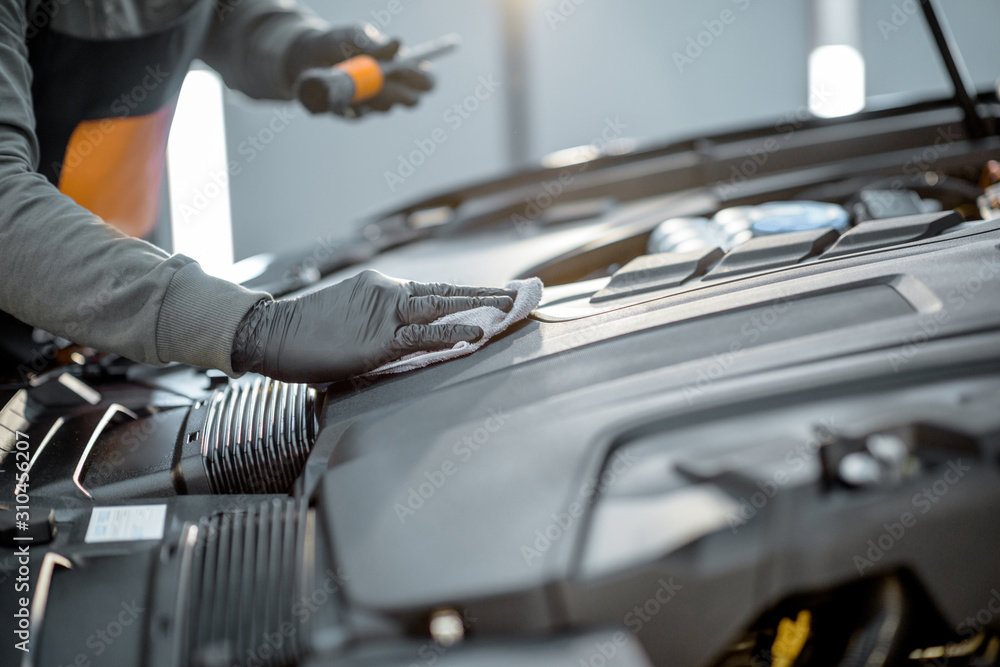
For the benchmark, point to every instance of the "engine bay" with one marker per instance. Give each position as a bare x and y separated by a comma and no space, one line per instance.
742,428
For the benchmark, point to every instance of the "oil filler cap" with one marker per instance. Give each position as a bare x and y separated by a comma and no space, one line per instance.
796,216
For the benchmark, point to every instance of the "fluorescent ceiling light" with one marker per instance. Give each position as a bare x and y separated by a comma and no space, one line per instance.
200,219
836,81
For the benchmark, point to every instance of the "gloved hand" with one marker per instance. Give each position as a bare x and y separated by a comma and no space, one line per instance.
403,85
354,327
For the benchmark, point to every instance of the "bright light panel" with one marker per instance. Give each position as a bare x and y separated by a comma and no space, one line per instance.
200,218
836,81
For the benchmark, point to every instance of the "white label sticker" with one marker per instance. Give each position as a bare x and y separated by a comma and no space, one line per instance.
126,523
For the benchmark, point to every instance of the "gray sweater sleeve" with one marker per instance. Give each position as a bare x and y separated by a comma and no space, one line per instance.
66,271
249,41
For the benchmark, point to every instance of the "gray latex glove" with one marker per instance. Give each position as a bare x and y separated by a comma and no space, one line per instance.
354,327
403,86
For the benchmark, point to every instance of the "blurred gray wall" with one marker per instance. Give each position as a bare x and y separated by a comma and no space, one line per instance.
592,62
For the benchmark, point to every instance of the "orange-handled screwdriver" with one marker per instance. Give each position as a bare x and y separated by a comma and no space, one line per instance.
361,78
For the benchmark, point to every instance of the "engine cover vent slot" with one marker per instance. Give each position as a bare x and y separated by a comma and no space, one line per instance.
893,231
257,436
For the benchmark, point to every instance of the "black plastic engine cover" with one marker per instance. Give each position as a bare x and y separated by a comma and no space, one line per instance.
477,484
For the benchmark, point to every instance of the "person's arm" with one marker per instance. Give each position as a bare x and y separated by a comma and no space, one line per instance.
260,47
249,42
66,271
